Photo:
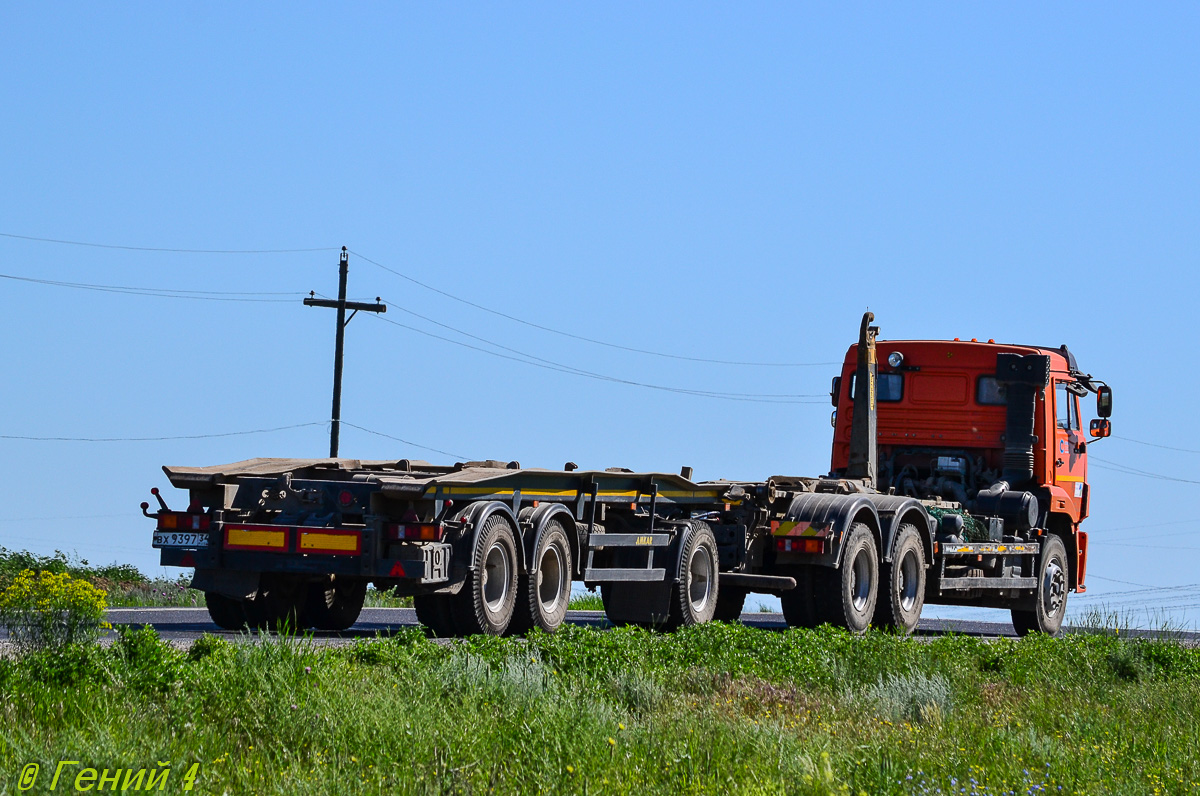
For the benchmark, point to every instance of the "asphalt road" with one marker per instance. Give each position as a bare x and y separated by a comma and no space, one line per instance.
181,626
186,624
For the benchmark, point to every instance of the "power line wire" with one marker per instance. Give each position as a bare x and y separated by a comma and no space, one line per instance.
162,249
406,442
559,367
1155,445
1105,464
160,439
583,338
198,295
590,373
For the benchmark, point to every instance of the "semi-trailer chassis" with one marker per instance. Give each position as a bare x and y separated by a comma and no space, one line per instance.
958,476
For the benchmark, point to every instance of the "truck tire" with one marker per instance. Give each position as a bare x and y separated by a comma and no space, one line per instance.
225,612
730,602
542,596
334,602
694,598
902,583
277,603
436,613
846,596
798,608
486,601
1050,604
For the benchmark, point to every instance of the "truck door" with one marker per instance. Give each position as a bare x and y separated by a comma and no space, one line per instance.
1070,461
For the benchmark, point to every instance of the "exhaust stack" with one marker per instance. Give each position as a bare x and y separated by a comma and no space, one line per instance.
1022,377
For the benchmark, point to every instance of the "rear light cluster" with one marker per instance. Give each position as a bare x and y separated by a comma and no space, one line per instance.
415,532
182,521
800,544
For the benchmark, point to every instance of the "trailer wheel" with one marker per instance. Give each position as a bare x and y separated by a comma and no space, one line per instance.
730,602
845,597
542,596
435,612
902,583
334,602
694,598
1051,600
485,603
276,604
225,612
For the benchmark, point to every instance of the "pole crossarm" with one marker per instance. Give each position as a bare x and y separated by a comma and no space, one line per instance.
341,305
350,305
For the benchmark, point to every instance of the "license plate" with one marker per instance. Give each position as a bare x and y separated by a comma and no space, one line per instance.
171,539
437,563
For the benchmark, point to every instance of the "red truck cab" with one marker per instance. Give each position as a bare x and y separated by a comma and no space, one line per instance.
942,416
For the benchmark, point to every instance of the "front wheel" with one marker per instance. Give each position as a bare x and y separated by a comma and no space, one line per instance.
1050,603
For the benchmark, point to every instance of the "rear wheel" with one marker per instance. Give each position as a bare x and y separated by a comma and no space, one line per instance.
334,602
276,604
485,603
846,596
1050,605
435,612
902,583
225,612
542,596
694,598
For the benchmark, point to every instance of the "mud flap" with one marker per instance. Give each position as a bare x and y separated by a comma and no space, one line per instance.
643,604
235,583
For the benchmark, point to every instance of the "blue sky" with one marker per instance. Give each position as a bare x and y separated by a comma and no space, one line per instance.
694,179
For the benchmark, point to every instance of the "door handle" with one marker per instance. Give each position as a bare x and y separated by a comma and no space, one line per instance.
1058,462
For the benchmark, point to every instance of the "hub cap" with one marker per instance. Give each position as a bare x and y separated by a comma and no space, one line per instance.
496,569
1054,588
550,580
860,581
909,576
700,579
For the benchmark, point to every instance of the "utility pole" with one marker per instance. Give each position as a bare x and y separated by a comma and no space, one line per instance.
341,305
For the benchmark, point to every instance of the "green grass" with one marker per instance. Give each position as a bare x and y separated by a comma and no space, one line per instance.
715,709
586,601
124,584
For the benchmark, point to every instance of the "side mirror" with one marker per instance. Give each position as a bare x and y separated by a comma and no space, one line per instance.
1104,402
1100,427
836,390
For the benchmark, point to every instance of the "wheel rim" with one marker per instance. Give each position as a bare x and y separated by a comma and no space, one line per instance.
700,579
550,579
860,581
909,576
1054,588
497,567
